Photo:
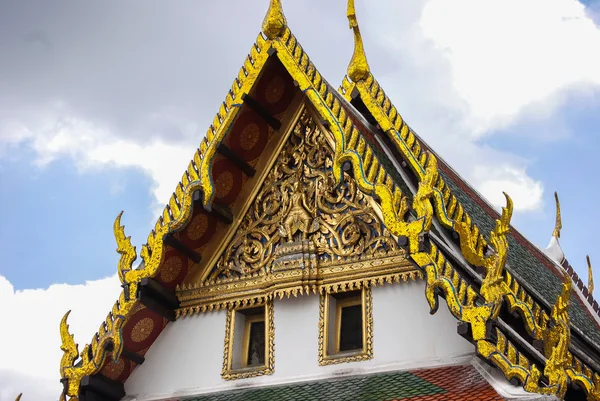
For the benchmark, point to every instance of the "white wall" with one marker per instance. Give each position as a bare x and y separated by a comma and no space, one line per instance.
187,357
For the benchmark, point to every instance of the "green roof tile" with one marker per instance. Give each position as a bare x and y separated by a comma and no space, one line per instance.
385,386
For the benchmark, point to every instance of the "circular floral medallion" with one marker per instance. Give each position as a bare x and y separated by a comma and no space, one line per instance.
223,184
275,90
142,330
113,370
197,227
249,136
170,269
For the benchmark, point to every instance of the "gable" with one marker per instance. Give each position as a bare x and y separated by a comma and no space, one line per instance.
301,236
300,233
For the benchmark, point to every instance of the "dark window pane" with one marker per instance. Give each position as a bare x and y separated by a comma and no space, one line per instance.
351,328
256,348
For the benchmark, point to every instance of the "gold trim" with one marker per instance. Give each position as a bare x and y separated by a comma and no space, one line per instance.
228,373
366,353
252,290
214,249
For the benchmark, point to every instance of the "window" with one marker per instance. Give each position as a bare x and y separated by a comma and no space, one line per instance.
253,353
249,342
345,323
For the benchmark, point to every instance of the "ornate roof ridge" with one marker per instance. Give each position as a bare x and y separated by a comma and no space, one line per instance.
412,145
447,207
197,177
174,216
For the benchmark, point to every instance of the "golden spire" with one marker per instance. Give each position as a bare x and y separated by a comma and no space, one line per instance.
18,397
274,21
358,69
558,224
590,275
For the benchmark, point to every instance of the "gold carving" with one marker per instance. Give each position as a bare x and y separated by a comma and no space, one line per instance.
142,329
301,234
452,215
124,248
358,68
558,339
558,224
512,363
590,275
274,21
228,373
324,323
68,346
299,202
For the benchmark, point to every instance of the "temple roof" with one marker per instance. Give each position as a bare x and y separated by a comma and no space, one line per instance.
440,384
413,187
533,268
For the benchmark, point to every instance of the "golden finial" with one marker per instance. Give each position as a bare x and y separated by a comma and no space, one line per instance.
558,224
590,275
358,69
18,397
274,21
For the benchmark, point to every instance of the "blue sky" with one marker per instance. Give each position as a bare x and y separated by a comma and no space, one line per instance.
59,221
102,106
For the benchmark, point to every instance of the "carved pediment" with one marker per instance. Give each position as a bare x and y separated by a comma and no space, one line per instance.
300,218
302,232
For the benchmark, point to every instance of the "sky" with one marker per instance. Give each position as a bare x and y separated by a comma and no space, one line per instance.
102,105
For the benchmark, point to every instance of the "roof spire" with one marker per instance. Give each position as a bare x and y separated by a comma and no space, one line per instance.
590,275
358,69
18,397
274,21
558,224
554,250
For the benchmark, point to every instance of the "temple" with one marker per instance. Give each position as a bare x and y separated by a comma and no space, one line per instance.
317,248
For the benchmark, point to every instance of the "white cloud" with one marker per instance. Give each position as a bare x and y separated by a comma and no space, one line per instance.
90,145
507,55
30,337
460,71
525,192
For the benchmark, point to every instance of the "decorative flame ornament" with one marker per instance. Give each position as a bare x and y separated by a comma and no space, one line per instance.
358,69
590,275
274,21
558,224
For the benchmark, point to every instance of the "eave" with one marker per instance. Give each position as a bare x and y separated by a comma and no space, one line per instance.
448,211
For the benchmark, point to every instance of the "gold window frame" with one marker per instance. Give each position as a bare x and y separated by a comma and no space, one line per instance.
366,353
230,373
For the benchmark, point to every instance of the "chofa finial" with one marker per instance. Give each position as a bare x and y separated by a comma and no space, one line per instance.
358,69
590,275
18,397
274,21
558,224
554,250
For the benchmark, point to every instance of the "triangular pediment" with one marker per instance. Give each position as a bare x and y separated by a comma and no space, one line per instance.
300,231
